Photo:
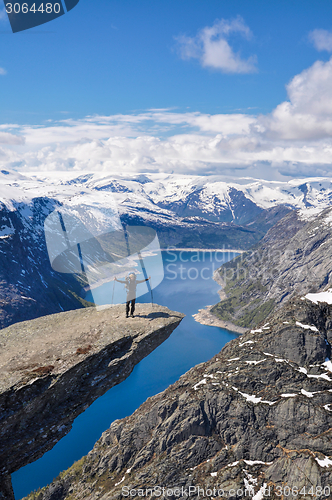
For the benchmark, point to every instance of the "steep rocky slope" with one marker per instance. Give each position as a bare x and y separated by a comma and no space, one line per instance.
29,287
293,258
257,416
52,368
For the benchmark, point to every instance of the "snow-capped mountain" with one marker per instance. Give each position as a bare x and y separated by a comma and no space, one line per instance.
161,195
186,211
212,198
208,197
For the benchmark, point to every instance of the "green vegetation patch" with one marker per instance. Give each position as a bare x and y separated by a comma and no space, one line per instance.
75,471
241,314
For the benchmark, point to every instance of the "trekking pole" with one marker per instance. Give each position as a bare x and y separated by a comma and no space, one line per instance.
113,291
140,259
151,296
145,274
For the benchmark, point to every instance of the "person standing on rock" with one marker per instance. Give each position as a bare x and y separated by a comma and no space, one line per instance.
131,284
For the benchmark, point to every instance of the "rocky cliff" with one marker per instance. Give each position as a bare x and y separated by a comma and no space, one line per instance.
293,258
257,417
54,367
29,287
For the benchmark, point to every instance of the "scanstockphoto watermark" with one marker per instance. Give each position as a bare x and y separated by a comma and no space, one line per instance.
220,255
195,264
193,491
232,265
264,264
191,273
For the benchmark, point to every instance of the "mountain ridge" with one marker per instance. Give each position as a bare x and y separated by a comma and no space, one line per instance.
293,258
171,194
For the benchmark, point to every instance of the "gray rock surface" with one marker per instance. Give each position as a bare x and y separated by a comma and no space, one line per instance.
257,415
52,368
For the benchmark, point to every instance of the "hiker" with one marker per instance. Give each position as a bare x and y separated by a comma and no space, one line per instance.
131,284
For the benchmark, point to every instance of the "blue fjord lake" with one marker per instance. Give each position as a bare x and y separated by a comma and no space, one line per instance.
187,286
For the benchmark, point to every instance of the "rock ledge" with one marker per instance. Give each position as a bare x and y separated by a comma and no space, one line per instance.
54,367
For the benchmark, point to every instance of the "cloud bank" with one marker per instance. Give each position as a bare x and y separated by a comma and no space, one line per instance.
295,139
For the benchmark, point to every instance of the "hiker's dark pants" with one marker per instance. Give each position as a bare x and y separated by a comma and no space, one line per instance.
132,306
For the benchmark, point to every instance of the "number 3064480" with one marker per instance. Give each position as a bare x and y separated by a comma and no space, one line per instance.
42,8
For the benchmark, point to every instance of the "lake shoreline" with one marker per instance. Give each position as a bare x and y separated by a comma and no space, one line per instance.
206,317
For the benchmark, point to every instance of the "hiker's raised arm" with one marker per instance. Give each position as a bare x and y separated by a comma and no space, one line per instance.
143,281
120,281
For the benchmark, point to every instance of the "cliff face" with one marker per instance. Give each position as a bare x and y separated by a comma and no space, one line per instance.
54,367
293,258
29,287
257,415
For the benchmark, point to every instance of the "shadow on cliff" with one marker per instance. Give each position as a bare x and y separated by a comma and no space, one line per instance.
153,315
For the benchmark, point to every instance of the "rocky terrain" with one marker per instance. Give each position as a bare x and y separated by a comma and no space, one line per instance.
54,367
293,258
257,416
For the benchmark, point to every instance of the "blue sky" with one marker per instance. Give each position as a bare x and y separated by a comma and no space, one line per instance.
213,60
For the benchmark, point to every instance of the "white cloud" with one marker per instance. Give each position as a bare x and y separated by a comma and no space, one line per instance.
321,39
211,47
294,140
201,152
75,130
151,122
3,71
311,90
308,113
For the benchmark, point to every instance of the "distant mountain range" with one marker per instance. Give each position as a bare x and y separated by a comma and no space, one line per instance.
161,196
186,211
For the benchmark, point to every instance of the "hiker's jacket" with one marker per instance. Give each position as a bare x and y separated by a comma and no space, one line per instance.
131,286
